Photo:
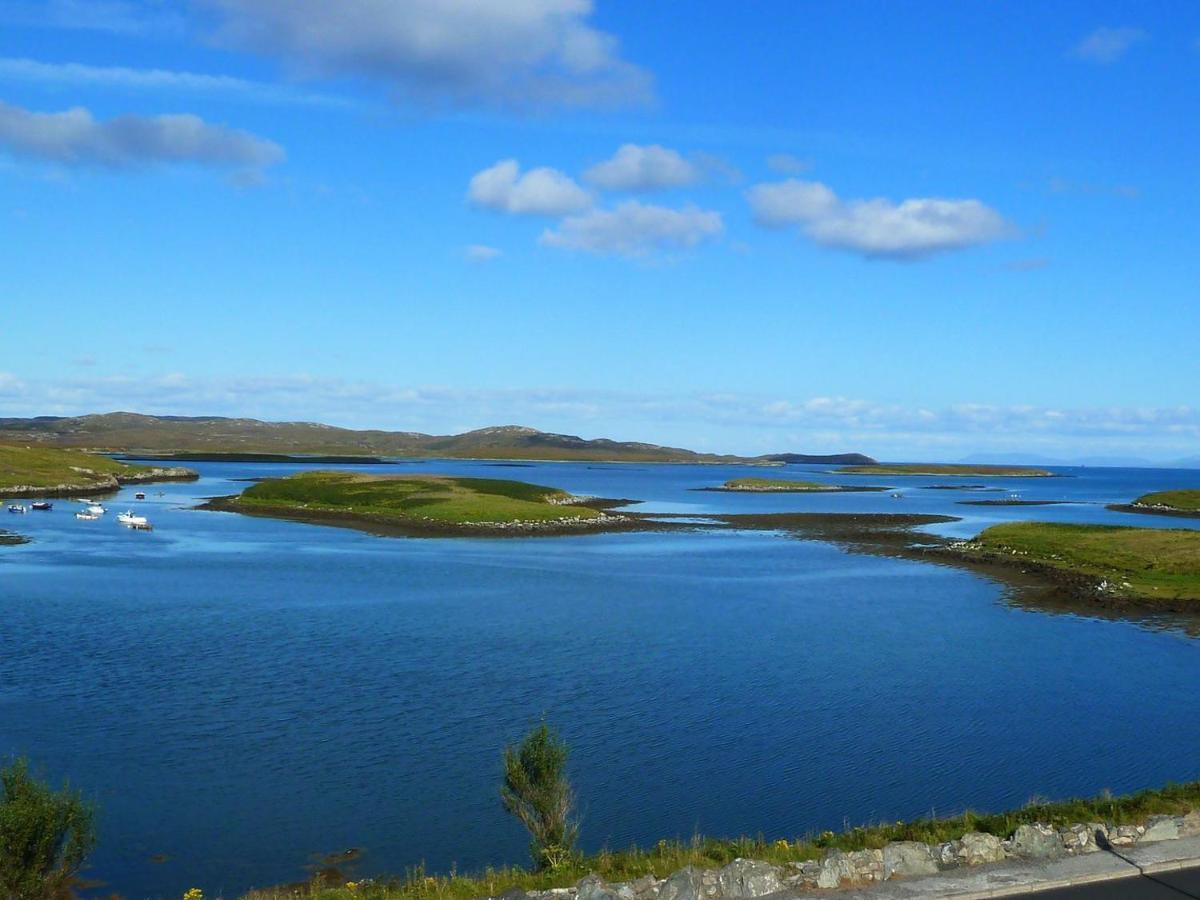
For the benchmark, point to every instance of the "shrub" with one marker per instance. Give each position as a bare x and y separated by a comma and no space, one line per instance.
536,791
45,836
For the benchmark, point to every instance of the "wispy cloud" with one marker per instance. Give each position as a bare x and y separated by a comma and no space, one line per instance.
787,164
123,17
533,53
876,228
75,137
750,423
481,253
123,78
1107,45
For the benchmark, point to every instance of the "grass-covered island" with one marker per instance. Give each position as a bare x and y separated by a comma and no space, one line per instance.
1169,503
49,472
423,504
1156,566
962,469
786,486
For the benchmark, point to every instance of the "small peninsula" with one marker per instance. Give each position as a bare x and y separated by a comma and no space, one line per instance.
1154,566
48,472
787,486
415,505
1184,503
962,469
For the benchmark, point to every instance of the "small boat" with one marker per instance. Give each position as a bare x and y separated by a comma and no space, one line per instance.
86,516
43,505
140,495
129,520
17,508
897,495
96,509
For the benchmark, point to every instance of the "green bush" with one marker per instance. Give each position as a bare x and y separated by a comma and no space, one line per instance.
536,791
45,836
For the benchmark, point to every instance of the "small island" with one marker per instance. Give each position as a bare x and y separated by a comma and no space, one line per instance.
787,486
961,469
1154,566
416,505
49,472
1165,503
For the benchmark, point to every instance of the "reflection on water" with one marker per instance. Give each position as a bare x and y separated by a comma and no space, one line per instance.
242,693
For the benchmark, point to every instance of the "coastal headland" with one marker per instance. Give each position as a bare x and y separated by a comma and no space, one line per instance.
49,472
963,470
1185,503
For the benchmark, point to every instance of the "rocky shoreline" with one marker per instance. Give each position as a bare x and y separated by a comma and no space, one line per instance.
1155,510
829,489
98,483
747,878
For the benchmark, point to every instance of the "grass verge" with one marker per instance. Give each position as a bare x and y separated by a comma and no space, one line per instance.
666,857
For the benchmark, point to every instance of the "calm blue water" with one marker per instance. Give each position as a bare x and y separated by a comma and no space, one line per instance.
240,694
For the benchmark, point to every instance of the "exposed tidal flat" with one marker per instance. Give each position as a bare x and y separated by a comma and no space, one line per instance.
243,693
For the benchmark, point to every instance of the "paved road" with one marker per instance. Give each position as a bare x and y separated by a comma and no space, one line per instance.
1175,885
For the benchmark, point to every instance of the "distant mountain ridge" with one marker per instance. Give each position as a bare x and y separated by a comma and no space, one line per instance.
130,433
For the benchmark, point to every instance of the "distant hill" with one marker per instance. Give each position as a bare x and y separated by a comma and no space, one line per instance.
132,433
829,459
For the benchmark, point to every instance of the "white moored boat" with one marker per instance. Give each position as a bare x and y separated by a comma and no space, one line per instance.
17,508
129,520
86,516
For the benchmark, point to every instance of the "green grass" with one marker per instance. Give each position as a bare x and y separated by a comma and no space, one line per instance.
942,469
42,467
1146,563
773,484
412,498
671,856
1184,500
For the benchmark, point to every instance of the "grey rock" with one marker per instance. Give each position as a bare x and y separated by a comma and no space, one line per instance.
904,858
1037,842
1189,825
836,867
1078,839
683,885
1161,828
644,888
946,854
977,848
866,864
1124,835
744,878
593,887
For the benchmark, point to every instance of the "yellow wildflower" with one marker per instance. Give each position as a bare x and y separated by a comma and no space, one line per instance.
193,894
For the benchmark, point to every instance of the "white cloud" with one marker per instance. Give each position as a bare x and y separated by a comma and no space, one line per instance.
74,137
481,253
540,192
643,167
121,77
1107,45
876,228
509,52
787,164
635,229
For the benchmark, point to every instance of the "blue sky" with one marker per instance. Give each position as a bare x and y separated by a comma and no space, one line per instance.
920,230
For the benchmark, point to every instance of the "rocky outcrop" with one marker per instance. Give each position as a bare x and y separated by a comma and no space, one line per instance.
746,879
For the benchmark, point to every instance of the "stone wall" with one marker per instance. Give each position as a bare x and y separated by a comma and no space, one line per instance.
746,878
